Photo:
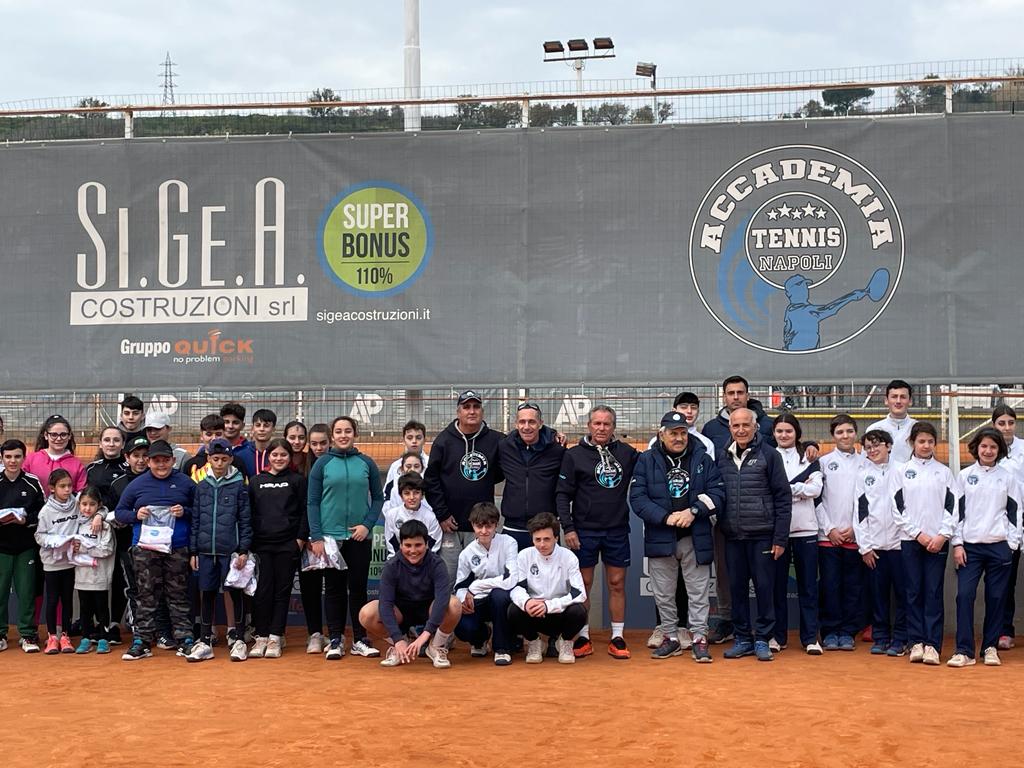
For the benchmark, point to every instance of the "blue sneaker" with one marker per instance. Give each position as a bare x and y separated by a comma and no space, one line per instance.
830,643
762,651
84,645
741,648
846,642
102,646
879,649
896,649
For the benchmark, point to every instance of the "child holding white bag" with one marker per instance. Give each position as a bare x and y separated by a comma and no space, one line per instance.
94,570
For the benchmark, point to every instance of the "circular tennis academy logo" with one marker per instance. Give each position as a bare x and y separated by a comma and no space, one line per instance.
796,249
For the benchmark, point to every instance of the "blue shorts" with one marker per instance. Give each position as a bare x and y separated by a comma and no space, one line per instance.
611,545
213,569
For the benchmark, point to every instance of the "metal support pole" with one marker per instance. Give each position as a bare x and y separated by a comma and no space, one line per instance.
578,66
129,124
949,98
526,113
412,63
954,430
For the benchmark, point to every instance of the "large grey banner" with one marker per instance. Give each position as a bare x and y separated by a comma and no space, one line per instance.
847,250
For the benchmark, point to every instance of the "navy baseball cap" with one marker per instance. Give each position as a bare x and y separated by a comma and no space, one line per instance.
673,420
468,395
218,446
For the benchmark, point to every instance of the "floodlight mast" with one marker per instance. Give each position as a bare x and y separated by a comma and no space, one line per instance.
576,56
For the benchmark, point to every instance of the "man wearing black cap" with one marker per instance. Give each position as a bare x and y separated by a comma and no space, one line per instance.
464,468
676,488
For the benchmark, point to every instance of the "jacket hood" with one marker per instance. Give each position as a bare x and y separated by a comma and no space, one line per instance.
232,476
454,431
343,453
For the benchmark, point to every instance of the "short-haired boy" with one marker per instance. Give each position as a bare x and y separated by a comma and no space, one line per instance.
210,427
487,573
253,453
414,436
549,597
413,507
899,396
131,423
21,498
413,592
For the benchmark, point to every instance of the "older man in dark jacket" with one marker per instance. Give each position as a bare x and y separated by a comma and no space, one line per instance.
676,489
755,521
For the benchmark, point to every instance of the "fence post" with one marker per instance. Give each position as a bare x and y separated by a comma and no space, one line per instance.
949,98
129,124
526,112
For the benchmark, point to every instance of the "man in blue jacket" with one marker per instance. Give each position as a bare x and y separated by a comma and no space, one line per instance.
152,502
676,489
755,522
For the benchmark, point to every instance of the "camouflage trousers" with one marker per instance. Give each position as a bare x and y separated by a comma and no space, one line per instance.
157,575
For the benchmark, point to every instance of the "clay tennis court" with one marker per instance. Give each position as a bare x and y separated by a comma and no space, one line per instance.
843,709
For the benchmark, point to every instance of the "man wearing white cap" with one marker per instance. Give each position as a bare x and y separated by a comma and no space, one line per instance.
158,427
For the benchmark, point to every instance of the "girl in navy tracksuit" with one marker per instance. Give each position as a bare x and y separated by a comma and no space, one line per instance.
924,497
988,530
805,481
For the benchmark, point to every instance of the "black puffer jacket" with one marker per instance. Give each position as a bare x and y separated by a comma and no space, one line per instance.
758,500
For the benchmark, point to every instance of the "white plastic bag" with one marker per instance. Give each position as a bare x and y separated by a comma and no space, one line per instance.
10,514
331,558
157,530
244,578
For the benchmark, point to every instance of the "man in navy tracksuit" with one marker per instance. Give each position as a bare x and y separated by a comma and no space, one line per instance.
530,458
755,522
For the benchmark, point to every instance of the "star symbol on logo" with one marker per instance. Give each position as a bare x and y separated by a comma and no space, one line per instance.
784,211
819,213
808,210
772,214
796,213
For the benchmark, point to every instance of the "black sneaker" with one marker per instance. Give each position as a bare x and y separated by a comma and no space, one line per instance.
114,634
184,647
722,632
75,630
166,643
140,650
232,637
700,651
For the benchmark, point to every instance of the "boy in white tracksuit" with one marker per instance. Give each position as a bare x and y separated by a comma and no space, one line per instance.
549,597
878,541
411,506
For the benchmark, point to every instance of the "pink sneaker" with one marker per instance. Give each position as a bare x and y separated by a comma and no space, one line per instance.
65,644
52,646
1005,643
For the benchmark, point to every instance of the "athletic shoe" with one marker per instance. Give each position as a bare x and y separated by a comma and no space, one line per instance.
534,651
52,646
879,649
814,649
391,658
867,635
616,648
139,650
3,643
762,651
363,648
259,648
1005,642
231,637
917,653
316,643
991,657
478,651
65,644
685,639
931,656
773,645
84,646
669,647
336,650
102,646
701,653
184,648
165,643
213,637
502,659
830,642
846,643
249,636
552,651
238,651
566,652
439,655
200,652
722,632
114,634
29,644
581,647
655,638
273,647
896,649
740,648
961,660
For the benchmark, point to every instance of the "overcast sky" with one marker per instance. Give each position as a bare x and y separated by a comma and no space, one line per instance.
64,48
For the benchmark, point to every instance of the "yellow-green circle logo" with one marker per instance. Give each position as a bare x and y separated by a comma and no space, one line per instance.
375,239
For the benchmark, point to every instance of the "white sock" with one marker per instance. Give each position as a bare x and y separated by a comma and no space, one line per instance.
585,632
617,627
440,639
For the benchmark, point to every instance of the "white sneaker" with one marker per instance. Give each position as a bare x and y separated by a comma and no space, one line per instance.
814,649
917,653
3,643
273,647
259,647
478,651
439,655
534,651
29,646
960,660
316,643
931,656
363,648
565,654
773,646
656,637
335,650
238,651
200,652
685,639
390,658
991,657
502,659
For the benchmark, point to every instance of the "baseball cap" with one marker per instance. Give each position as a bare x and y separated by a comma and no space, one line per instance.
218,446
673,420
136,443
469,394
155,420
160,448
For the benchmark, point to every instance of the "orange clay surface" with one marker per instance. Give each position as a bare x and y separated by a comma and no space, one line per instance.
842,709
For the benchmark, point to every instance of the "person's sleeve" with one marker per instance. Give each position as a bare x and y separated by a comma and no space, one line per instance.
577,591
1013,511
244,521
952,492
433,530
899,507
125,512
862,517
497,469
565,493
507,578
193,532
301,497
782,499
376,494
464,577
712,499
190,497
439,605
386,604
79,477
33,507
390,533
639,499
808,484
314,494
42,528
520,593
104,546
432,483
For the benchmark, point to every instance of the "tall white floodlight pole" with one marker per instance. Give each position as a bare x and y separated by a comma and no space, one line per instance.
412,62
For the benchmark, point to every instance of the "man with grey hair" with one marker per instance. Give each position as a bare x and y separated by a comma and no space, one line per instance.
755,522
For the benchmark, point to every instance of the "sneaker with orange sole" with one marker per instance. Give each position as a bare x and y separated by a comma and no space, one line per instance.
582,647
617,648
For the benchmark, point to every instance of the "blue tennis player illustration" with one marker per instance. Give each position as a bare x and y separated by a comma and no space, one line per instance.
803,319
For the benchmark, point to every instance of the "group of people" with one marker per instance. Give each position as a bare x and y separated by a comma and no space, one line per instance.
152,537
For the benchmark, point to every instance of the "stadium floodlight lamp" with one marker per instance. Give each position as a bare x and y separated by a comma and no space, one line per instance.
646,69
553,46
603,44
578,45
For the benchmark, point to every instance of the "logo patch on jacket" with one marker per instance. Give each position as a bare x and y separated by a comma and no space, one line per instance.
678,482
833,466
910,474
608,473
869,481
534,570
473,466
475,560
972,479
